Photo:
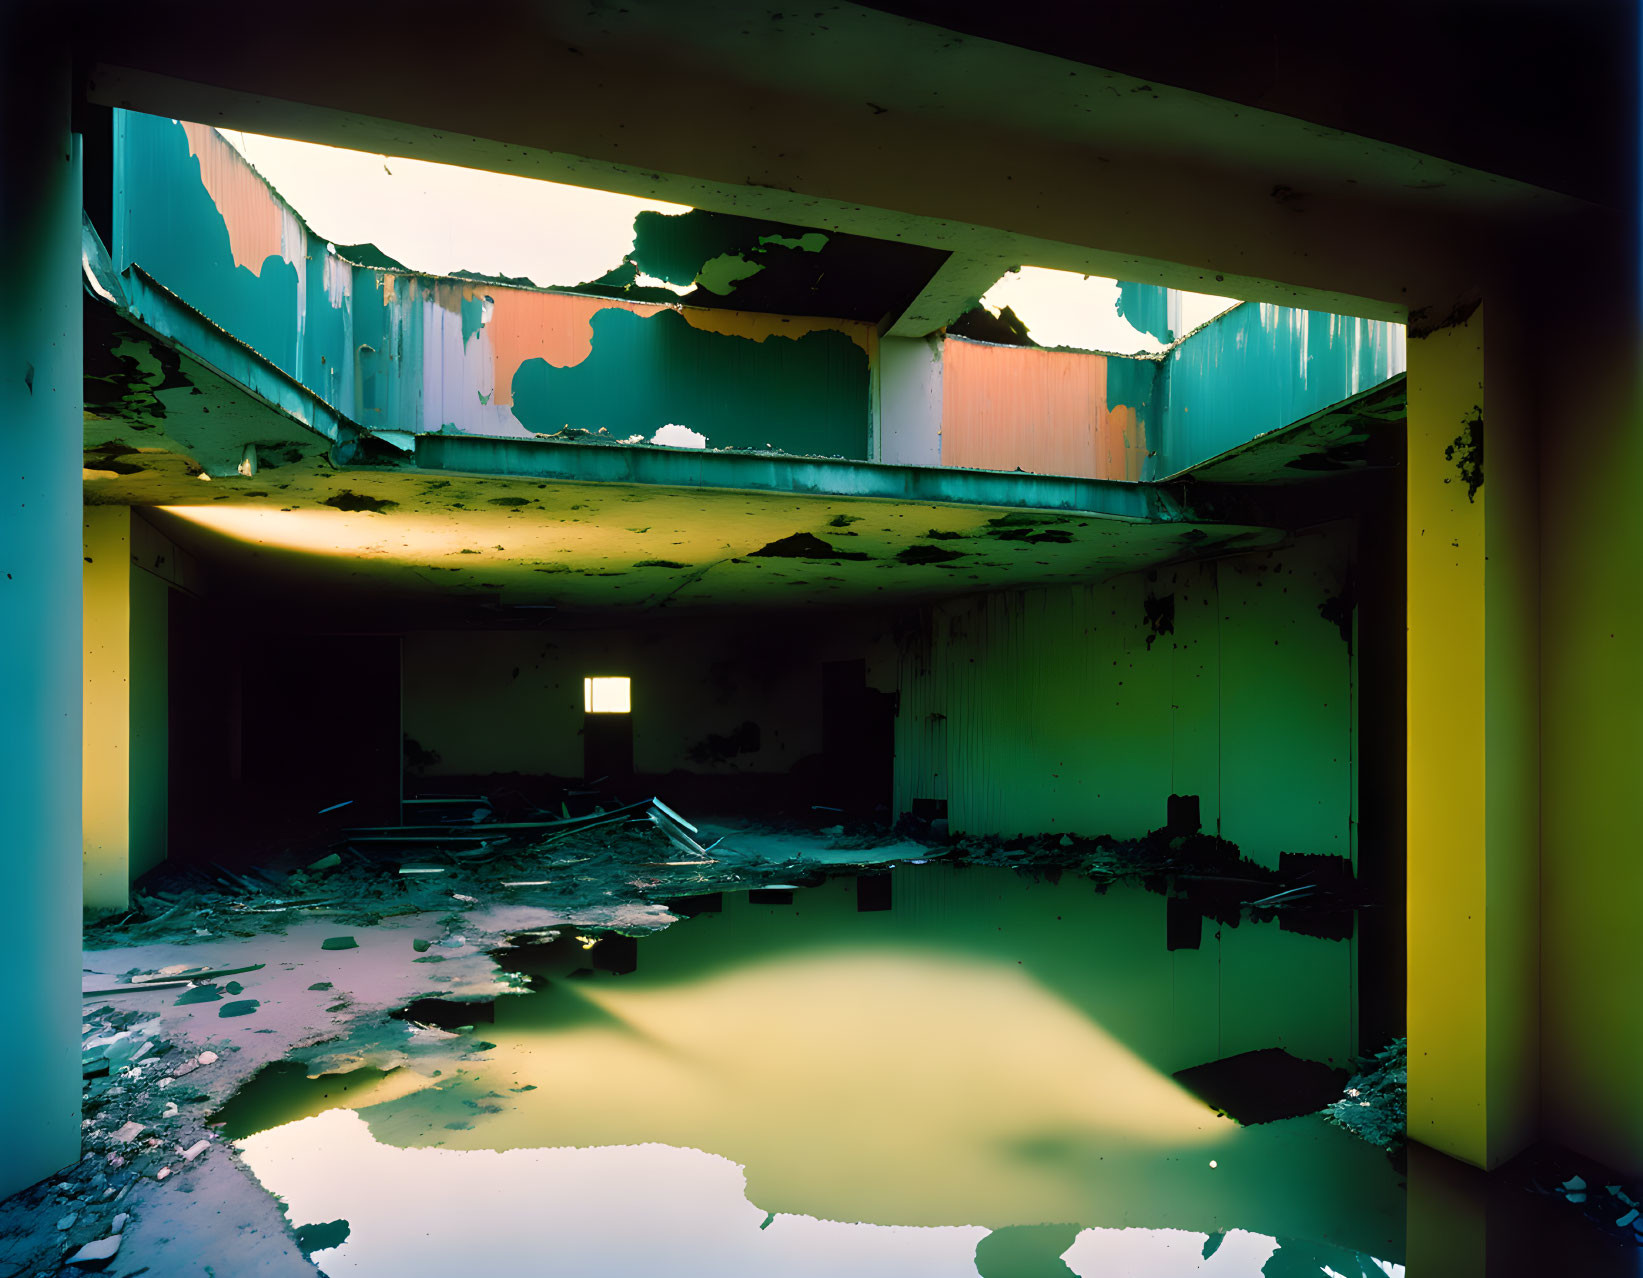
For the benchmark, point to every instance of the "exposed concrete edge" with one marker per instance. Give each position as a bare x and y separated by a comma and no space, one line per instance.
821,477
167,317
958,284
1359,401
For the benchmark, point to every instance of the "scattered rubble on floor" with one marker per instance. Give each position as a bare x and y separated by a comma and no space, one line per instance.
647,851
1604,1198
142,1119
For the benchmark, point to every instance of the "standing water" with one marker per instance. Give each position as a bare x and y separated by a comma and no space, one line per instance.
977,1080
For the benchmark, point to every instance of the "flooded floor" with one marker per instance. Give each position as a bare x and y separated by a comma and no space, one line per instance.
975,1080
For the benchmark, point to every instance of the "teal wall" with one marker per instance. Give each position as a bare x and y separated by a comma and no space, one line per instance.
805,395
1258,368
398,351
41,432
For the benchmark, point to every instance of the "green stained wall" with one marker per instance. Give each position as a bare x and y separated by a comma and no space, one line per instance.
1591,706
511,700
805,395
1048,710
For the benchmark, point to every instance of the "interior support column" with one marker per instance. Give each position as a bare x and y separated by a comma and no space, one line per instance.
106,754
1473,775
40,445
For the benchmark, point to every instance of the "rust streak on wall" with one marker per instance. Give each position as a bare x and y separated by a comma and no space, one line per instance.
1045,412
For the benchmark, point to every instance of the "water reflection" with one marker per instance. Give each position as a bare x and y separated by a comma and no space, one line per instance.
978,1079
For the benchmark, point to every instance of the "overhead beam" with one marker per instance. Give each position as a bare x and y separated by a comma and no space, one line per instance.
963,145
957,285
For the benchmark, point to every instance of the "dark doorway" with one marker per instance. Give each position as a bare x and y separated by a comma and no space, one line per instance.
320,726
858,739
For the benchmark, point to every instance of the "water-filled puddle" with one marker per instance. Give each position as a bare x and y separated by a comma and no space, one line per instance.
975,1081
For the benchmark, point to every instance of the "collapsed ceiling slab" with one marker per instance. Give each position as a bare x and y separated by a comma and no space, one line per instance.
486,545
1364,431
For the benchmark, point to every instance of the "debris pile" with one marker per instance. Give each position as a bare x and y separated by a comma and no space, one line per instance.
646,851
1614,1208
141,1120
631,853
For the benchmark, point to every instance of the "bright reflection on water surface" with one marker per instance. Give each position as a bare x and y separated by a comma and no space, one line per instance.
976,1081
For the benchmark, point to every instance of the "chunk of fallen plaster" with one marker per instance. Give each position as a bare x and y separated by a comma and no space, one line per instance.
207,1058
94,1255
119,1223
195,1150
239,1007
129,1133
339,943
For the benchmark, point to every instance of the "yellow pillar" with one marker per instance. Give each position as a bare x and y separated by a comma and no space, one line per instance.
1473,798
106,744
123,750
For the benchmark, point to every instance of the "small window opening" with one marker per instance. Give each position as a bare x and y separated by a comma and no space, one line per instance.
606,694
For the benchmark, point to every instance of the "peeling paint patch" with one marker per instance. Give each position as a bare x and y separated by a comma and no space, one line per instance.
810,242
1423,322
348,500
1158,613
673,435
807,395
802,545
553,327
757,326
1338,610
920,554
1035,536
256,221
721,274
1467,453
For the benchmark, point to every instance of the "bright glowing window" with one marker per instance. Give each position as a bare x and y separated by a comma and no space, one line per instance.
602,694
